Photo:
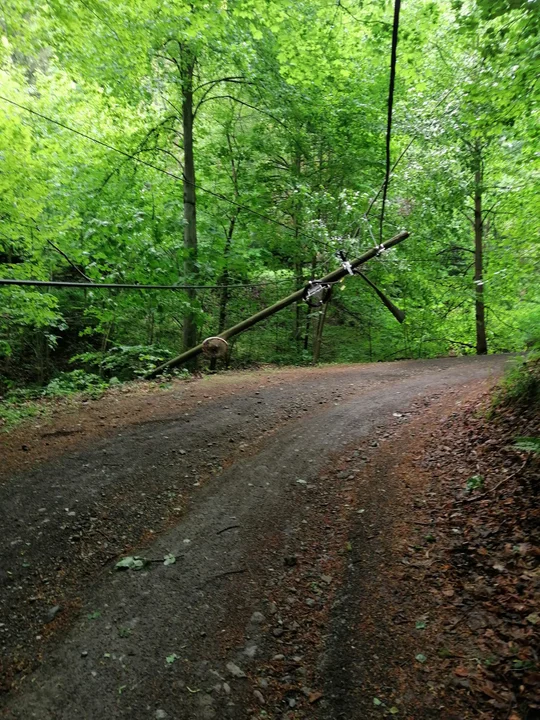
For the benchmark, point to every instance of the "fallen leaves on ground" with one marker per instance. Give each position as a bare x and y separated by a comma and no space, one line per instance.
482,567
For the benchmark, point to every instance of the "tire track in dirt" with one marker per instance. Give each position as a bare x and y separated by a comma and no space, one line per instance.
113,664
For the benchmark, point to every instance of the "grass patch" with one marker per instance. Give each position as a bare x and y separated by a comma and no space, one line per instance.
13,413
23,403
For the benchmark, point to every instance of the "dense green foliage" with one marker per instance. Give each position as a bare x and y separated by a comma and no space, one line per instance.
290,116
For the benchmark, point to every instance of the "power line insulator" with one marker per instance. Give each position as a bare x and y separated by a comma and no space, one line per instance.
215,347
316,293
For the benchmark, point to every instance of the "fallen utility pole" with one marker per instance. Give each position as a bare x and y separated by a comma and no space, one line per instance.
332,277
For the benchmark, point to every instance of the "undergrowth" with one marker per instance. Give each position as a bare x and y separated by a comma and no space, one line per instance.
101,371
20,404
521,385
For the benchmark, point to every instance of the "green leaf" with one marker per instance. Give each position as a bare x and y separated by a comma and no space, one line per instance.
421,624
171,658
394,710
169,559
475,482
377,702
131,562
421,658
528,444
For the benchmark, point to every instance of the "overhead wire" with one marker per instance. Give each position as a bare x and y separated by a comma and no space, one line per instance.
403,153
136,286
125,153
234,203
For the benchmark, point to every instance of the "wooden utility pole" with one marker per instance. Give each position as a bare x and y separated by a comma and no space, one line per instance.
280,305
318,333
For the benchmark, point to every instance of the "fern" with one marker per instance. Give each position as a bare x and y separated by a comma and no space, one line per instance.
528,444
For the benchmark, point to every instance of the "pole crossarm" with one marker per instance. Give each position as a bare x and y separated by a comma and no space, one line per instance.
334,276
396,312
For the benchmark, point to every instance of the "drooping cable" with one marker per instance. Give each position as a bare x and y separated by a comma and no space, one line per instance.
236,204
135,286
393,59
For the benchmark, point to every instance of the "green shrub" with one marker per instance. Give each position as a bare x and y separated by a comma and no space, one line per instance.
521,385
475,482
124,362
76,381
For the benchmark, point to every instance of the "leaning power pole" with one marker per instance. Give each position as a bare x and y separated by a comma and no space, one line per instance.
332,277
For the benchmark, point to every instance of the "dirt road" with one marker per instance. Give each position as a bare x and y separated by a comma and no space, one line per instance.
251,483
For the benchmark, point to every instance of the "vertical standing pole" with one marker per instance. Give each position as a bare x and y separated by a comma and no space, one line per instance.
318,334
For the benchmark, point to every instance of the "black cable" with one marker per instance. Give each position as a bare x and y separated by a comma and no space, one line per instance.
156,167
134,286
393,58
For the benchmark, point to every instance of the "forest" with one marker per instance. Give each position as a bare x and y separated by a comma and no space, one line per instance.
221,221
234,150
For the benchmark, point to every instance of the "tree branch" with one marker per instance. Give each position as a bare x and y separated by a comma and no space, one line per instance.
471,220
238,79
455,247
240,102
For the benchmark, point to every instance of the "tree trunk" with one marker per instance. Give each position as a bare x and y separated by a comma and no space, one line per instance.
297,319
190,208
308,309
224,279
481,341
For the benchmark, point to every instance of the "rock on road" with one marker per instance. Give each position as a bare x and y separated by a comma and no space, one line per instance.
225,483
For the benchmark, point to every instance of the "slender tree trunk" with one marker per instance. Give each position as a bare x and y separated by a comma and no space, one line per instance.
223,301
39,350
298,257
308,311
224,280
297,319
151,325
481,341
190,200
370,339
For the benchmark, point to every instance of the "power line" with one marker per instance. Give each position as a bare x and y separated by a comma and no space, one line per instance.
393,59
135,286
240,206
